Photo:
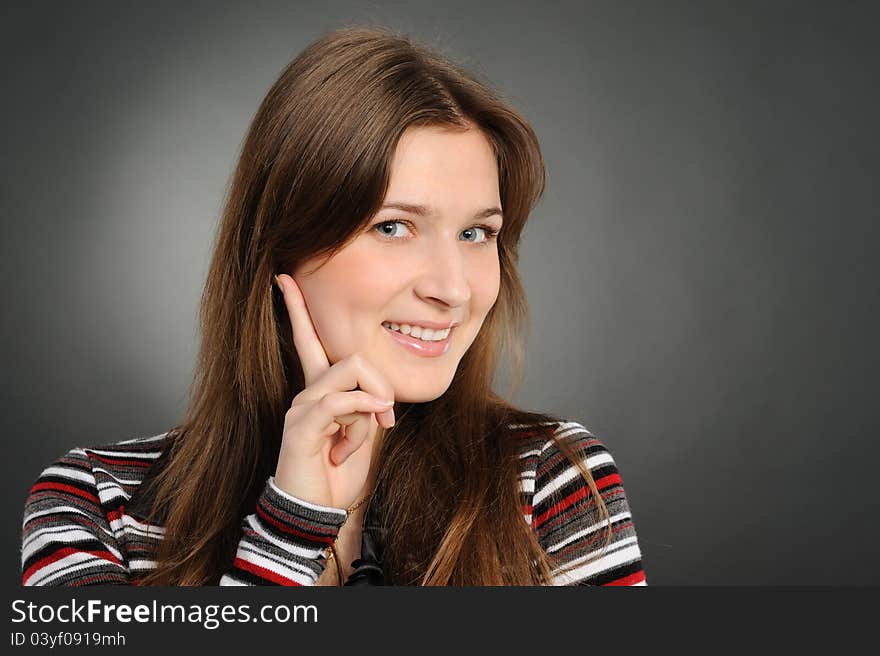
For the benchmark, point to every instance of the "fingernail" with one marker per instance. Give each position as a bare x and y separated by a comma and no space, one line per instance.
384,402
278,283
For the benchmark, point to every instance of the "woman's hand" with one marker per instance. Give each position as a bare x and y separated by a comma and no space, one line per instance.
330,428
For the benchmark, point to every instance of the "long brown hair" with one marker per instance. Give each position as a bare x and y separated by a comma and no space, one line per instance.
313,170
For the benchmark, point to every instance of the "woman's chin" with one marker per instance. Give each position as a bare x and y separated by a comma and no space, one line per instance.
409,394
415,398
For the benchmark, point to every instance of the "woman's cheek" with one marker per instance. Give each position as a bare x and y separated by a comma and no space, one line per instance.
487,287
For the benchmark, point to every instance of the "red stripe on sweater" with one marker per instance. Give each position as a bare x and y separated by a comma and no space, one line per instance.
262,572
554,510
113,515
63,553
608,481
577,495
121,461
61,487
589,507
631,579
285,528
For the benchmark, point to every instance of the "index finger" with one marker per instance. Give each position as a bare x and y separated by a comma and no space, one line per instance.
309,348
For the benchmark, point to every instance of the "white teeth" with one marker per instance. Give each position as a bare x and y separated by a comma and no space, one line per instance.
424,334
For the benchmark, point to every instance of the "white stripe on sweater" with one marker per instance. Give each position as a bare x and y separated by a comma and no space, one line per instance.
258,528
591,529
265,555
614,559
249,556
128,524
126,454
303,502
154,438
66,509
45,537
71,563
116,481
70,473
571,473
567,427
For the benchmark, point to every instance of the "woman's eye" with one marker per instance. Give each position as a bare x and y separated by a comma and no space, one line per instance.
386,233
386,229
489,232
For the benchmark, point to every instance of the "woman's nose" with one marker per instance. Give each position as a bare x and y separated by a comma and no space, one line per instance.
445,276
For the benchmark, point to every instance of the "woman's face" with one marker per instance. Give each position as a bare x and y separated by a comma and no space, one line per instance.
438,267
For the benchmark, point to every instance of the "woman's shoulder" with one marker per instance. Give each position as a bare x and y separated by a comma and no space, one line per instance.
563,440
580,439
553,450
141,451
566,516
540,438
103,470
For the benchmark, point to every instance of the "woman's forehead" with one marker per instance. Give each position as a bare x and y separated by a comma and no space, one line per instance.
443,170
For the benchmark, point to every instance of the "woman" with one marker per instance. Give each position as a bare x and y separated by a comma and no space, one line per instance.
342,427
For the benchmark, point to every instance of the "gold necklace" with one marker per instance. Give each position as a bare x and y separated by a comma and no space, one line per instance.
359,503
330,553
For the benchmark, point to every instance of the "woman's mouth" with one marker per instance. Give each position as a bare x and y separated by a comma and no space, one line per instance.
418,341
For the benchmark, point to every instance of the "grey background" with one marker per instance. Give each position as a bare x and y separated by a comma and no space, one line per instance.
700,270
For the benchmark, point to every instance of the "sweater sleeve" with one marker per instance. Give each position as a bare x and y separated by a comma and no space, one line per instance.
74,533
566,519
284,541
66,536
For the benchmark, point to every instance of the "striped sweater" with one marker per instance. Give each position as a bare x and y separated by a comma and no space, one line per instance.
84,524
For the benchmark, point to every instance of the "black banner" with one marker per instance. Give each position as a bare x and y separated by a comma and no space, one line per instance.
539,620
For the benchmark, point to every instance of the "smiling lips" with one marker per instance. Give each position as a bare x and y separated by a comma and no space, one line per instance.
433,325
420,347
424,334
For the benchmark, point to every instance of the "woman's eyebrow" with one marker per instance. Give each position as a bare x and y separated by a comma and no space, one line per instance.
423,210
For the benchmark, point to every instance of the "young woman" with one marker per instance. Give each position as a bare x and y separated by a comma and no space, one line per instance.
342,427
